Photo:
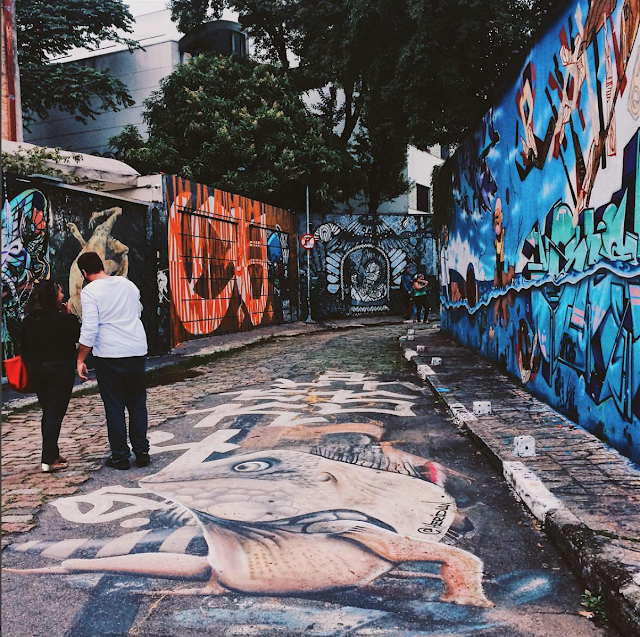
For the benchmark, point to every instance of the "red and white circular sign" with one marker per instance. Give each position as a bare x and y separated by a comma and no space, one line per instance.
307,241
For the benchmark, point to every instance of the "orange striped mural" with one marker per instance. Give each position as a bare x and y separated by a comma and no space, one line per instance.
232,262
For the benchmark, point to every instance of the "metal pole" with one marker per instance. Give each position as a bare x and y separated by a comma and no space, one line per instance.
309,319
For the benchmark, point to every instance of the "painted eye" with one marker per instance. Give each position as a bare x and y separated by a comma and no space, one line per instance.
252,466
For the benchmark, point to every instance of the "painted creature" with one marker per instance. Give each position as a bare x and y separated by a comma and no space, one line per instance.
114,254
24,259
284,522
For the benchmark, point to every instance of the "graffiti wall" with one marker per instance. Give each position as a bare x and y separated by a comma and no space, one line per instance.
541,261
358,260
232,261
45,227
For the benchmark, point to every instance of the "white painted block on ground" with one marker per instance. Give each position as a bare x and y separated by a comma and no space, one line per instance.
436,360
411,331
410,353
461,413
424,371
530,489
420,348
481,407
524,446
410,337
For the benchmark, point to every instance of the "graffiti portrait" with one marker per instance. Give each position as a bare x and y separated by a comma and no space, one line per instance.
541,267
25,254
358,262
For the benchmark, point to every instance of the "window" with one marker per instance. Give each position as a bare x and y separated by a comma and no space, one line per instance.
424,198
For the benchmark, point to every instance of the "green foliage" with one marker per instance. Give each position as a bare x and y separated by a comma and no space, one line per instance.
457,56
49,29
32,161
594,604
388,72
242,127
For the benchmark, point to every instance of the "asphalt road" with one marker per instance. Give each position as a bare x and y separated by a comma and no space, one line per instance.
317,490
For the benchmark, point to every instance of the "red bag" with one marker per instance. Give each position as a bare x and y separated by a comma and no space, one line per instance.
17,375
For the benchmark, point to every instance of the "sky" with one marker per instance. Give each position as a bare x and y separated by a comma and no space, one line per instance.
139,7
145,6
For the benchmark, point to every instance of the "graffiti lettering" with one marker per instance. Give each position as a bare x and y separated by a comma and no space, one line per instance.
609,234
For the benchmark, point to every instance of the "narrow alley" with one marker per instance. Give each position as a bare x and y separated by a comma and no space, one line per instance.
307,485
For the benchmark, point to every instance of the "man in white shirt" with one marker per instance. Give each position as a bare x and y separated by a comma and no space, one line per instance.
111,326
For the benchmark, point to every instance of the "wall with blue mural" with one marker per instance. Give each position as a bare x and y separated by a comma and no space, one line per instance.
540,263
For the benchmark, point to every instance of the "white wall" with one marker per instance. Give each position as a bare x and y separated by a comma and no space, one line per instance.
141,72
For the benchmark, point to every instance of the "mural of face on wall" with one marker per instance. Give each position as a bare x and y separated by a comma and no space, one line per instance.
25,236
295,501
366,276
558,257
114,254
359,261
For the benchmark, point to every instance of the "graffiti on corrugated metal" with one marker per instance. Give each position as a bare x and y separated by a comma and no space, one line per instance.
229,260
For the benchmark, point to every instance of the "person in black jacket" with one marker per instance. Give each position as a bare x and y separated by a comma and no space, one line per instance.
48,349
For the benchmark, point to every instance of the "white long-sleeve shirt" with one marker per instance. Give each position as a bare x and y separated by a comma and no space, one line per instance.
111,319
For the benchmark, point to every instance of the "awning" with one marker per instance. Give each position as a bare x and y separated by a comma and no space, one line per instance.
109,174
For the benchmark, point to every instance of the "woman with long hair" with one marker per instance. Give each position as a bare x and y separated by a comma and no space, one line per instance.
48,347
421,298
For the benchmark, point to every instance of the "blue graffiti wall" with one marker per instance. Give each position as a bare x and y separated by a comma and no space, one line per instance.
540,263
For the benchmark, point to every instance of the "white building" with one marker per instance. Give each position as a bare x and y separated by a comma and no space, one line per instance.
141,70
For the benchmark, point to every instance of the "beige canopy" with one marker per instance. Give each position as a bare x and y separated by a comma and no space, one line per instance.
91,170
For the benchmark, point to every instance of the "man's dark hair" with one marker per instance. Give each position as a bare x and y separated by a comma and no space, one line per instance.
90,262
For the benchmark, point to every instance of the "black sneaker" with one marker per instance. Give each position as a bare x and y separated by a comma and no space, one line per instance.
117,464
143,459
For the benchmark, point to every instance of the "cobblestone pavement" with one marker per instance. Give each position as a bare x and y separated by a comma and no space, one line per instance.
83,440
596,484
361,473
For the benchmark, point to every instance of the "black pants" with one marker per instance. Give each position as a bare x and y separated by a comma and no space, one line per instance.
422,303
406,304
53,382
122,383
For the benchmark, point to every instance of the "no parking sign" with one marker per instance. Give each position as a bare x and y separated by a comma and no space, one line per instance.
307,241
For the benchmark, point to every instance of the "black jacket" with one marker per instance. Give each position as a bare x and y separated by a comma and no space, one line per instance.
50,336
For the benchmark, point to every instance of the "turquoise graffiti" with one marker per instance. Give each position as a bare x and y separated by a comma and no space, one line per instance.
540,263
608,236
24,259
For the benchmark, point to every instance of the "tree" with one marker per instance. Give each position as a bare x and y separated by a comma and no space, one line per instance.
457,56
414,71
242,127
48,29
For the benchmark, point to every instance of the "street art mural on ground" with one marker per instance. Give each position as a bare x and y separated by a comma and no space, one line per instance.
231,261
25,259
541,261
288,491
358,261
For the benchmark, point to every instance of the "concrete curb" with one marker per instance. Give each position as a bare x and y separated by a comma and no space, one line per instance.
590,555
204,354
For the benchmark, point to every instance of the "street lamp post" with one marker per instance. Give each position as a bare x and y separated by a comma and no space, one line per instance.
309,319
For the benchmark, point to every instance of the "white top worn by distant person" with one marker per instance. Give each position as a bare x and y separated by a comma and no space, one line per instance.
111,319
